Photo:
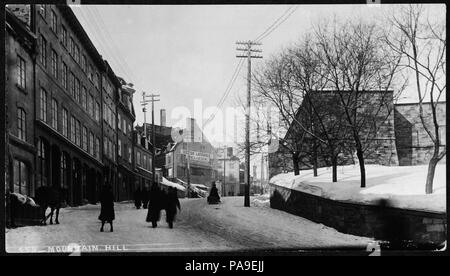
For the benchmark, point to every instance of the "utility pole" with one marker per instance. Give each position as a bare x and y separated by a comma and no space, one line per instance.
224,168
145,102
188,166
248,54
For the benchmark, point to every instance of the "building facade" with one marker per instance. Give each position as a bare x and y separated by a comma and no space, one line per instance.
63,102
68,96
396,138
194,157
125,152
142,161
414,146
20,149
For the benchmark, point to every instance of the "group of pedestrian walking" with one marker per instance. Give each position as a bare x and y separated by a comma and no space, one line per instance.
155,201
161,200
141,198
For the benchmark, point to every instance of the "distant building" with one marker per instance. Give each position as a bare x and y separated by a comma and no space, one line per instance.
163,141
230,181
201,154
142,161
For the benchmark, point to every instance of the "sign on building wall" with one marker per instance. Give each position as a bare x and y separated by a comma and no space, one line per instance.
197,155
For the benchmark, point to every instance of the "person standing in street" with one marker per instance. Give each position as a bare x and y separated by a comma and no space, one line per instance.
155,205
172,204
107,207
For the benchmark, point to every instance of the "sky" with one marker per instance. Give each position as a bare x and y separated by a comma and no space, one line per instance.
187,54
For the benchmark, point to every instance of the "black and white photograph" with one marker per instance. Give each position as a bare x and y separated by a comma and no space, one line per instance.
225,129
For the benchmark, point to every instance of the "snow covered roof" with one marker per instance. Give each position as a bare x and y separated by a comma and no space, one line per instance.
200,186
172,184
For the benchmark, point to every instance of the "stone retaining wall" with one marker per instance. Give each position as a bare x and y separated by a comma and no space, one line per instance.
378,221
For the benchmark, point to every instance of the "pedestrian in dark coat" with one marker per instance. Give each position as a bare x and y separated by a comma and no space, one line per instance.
155,205
138,198
145,197
171,207
213,197
107,207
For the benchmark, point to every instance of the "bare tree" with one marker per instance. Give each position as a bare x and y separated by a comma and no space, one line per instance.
310,78
421,40
274,86
357,62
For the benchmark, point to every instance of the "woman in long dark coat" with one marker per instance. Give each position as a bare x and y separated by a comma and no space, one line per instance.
172,204
213,197
155,205
107,207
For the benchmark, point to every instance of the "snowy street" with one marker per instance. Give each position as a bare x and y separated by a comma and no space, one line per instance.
199,227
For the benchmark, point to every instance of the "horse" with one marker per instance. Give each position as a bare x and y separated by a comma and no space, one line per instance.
49,197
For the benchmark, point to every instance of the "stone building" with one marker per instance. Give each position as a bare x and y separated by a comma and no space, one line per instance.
57,88
374,123
396,138
414,146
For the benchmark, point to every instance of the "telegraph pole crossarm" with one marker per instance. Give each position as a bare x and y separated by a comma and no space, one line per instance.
144,102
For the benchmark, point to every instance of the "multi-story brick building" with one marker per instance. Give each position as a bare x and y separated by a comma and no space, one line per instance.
58,86
125,119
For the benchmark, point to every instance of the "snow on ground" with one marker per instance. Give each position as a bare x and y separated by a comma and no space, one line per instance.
403,186
199,227
261,200
259,227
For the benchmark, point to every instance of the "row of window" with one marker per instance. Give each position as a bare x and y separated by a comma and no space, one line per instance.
73,129
123,125
68,80
122,151
109,116
109,148
143,160
71,45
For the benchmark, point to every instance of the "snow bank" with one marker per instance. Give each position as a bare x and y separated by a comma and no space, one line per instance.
261,200
403,186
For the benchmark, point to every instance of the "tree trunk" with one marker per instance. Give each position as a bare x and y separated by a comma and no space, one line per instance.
315,159
295,160
362,167
431,170
334,165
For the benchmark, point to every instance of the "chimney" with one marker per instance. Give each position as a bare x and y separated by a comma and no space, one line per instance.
163,117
